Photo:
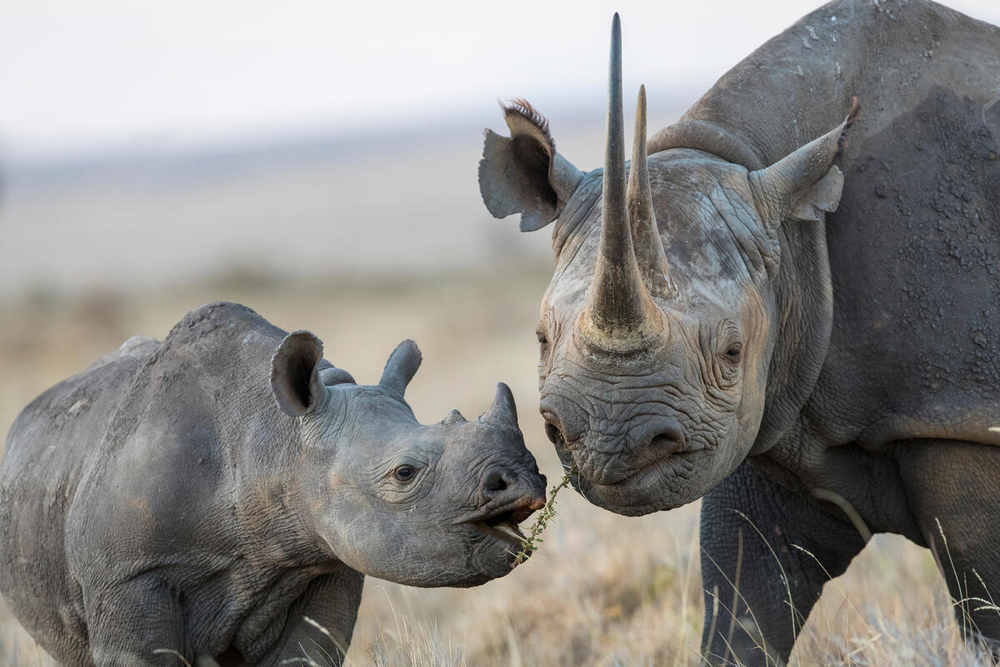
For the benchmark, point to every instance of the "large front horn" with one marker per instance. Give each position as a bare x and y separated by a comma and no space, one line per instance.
618,312
650,257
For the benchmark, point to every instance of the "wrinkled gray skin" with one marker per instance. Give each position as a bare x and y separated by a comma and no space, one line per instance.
172,497
793,314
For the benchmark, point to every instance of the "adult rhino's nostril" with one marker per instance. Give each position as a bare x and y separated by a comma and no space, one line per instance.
669,440
553,433
496,481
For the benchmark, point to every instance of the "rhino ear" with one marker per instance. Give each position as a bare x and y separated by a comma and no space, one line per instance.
804,185
523,173
295,374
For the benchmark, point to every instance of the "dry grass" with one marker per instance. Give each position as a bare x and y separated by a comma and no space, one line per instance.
602,590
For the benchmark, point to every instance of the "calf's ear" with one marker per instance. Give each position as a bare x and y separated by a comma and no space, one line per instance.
804,185
523,173
295,373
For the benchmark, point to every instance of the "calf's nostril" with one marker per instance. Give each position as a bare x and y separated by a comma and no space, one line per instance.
496,480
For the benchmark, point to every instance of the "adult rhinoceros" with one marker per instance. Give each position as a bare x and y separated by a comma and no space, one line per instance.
814,349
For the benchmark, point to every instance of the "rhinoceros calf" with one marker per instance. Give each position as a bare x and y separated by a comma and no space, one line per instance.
717,325
206,494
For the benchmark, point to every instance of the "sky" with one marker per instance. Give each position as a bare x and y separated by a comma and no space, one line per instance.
104,74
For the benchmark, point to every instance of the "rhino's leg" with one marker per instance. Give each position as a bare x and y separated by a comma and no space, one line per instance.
759,583
954,492
139,623
330,603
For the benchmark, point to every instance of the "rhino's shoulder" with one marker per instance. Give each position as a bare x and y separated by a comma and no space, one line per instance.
216,321
214,354
890,54
218,338
869,13
198,403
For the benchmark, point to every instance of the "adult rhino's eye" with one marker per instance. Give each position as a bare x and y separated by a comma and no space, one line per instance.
734,353
405,473
543,341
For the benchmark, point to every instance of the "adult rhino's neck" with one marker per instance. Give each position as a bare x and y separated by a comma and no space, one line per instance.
804,313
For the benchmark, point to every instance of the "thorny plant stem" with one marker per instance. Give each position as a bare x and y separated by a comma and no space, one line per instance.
530,543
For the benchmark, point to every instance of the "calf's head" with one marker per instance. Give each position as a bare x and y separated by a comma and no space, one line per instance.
658,327
434,505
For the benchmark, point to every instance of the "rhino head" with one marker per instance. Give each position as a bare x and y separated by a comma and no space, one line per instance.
434,505
658,328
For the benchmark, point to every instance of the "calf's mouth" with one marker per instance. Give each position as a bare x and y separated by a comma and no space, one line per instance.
503,522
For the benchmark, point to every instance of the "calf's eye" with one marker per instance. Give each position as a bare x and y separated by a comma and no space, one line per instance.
405,473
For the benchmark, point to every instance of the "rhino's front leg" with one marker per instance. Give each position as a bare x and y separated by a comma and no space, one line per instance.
138,623
759,584
330,603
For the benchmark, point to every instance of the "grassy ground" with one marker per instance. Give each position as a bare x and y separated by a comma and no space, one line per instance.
603,590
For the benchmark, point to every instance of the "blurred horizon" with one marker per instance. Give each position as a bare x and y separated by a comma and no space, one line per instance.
111,77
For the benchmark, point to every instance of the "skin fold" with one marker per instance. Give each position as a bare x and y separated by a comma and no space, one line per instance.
207,493
786,306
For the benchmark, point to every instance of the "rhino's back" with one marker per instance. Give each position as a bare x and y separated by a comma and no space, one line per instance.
894,55
48,448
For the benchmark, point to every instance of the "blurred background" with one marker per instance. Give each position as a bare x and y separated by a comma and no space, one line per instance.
317,162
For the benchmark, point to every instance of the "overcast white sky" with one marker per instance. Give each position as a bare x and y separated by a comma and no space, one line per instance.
110,73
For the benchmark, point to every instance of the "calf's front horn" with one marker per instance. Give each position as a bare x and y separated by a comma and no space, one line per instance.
503,411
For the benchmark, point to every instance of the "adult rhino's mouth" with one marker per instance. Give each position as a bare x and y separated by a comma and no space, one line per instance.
503,522
658,485
614,469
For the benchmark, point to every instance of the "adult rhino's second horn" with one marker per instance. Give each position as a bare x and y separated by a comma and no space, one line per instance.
649,252
620,314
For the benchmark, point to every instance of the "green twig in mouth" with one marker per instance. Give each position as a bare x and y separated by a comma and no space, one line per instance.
530,543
